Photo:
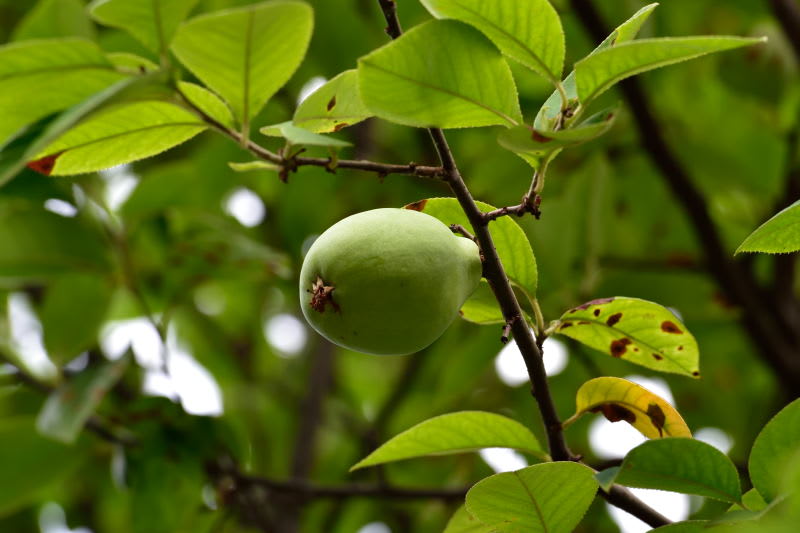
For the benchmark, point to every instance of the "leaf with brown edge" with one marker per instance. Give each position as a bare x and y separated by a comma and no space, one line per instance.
45,164
635,330
619,399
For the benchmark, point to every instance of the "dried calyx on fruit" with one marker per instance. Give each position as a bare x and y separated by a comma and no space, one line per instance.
387,281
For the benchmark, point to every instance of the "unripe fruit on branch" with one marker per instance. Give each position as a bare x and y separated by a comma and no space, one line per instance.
387,281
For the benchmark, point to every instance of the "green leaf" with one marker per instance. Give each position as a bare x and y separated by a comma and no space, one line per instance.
690,526
152,23
131,63
778,235
119,134
333,106
35,244
38,78
54,18
510,241
436,75
548,115
460,432
546,498
607,477
600,71
463,522
30,463
635,330
301,137
74,308
681,465
773,448
619,399
481,307
207,102
246,54
628,30
753,501
533,142
253,165
528,31
66,120
69,406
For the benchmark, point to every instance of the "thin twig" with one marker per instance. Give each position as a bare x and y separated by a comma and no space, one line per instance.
518,210
461,230
291,164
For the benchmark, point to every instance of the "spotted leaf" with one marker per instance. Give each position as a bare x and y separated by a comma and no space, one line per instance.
619,399
333,106
635,330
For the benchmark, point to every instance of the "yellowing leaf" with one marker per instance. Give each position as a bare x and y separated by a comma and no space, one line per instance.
619,399
635,330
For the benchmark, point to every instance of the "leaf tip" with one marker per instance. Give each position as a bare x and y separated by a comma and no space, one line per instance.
358,466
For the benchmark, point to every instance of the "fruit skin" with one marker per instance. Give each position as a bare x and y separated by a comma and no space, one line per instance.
387,281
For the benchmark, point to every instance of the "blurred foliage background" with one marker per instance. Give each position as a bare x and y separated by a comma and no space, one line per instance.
180,243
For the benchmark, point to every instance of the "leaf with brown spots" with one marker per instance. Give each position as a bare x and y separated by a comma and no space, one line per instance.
333,106
635,330
622,400
524,140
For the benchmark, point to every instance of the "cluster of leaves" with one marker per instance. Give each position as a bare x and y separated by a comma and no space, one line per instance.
71,108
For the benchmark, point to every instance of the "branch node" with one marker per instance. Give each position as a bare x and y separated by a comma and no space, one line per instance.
461,230
507,329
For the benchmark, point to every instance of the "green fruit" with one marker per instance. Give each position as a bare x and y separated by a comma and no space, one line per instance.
387,281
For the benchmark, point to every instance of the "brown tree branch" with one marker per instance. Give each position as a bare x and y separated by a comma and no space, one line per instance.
769,331
518,210
494,273
622,498
320,379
